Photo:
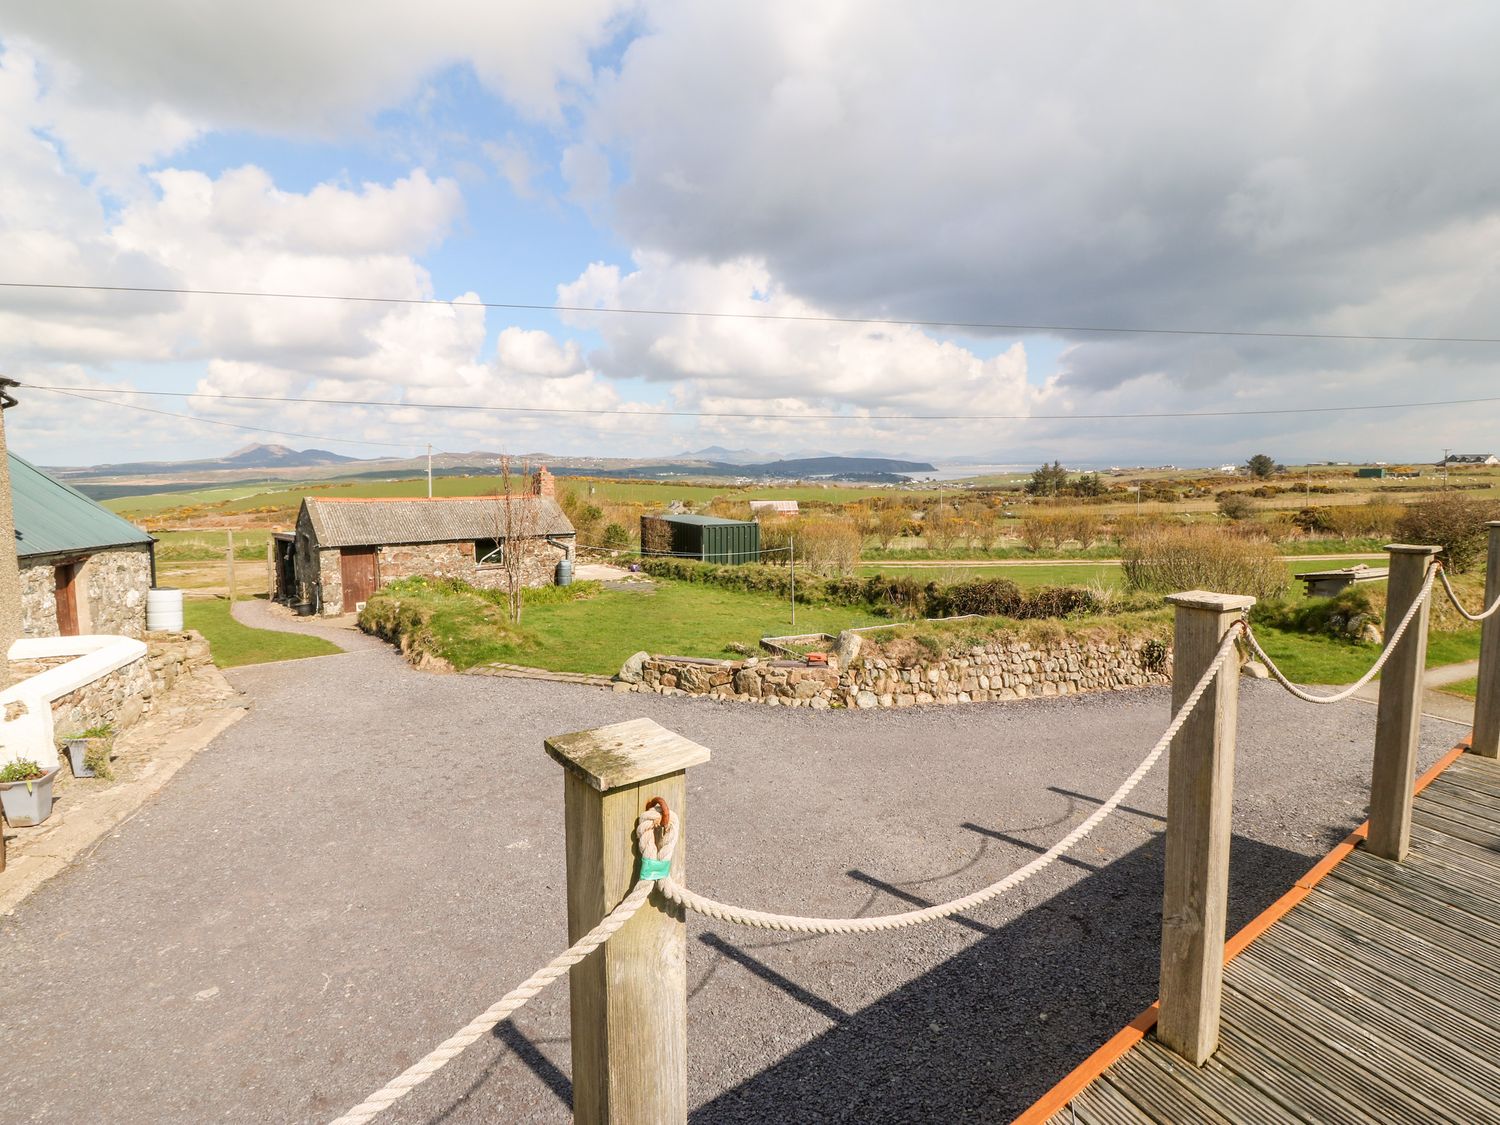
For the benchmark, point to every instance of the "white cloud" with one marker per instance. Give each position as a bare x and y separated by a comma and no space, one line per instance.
289,67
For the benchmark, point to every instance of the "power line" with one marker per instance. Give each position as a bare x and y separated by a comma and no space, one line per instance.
992,326
215,422
757,415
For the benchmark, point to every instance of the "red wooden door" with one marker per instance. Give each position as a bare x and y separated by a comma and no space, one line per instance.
67,599
357,569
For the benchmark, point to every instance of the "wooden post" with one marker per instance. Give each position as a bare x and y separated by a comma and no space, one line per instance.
1200,790
1486,740
229,551
1398,717
629,998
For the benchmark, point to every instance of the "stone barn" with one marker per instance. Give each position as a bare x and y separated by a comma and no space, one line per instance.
345,549
84,570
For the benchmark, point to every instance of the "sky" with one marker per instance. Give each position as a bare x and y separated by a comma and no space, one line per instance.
848,167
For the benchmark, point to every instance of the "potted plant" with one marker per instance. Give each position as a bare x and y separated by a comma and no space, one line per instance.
26,792
88,753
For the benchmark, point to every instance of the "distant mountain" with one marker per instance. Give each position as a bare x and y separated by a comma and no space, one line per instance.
881,470
255,456
721,455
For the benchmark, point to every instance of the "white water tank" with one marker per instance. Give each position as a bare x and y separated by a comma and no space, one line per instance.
163,610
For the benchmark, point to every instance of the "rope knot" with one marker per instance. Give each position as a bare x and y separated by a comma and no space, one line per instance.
656,832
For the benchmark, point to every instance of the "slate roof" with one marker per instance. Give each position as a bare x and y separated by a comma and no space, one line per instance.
55,519
374,523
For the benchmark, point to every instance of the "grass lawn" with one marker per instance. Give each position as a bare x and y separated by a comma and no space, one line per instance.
1308,659
234,644
597,632
1467,688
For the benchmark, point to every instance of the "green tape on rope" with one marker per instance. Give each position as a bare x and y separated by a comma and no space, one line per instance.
655,868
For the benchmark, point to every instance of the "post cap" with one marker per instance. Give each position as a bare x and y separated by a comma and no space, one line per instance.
1205,599
624,754
1409,549
1492,523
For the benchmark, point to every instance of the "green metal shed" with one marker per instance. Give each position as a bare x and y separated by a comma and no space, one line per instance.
710,538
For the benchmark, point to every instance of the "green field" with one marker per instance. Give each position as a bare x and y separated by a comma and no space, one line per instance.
234,644
1105,574
210,544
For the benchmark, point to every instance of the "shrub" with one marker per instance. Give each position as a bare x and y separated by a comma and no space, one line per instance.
1198,557
1455,523
829,545
1345,616
616,538
1235,506
656,536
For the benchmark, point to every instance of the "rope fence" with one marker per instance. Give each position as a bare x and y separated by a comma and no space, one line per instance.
1385,653
1458,605
656,855
657,832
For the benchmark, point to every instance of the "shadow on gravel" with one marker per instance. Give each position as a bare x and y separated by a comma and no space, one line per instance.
984,1034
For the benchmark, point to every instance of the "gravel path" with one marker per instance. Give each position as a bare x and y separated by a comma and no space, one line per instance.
258,613
375,854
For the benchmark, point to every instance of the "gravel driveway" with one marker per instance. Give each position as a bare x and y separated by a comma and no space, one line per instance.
375,854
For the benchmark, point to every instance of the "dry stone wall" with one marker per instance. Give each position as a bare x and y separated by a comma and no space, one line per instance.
996,670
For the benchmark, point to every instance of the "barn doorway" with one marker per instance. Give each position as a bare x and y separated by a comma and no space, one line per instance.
357,570
65,583
284,567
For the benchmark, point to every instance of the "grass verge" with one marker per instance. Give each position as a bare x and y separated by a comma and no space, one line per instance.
234,644
594,630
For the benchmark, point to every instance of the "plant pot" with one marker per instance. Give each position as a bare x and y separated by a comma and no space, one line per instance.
78,752
304,609
28,802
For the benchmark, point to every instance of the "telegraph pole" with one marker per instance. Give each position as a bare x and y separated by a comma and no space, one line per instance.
429,470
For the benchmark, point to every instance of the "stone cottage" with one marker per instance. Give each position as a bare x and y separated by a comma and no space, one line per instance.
84,570
345,549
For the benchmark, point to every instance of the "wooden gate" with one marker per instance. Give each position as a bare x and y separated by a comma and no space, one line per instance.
357,570
65,582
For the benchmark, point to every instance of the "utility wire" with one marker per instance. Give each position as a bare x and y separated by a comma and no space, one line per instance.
993,326
766,416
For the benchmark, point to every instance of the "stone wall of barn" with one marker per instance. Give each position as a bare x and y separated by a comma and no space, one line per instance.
110,588
444,560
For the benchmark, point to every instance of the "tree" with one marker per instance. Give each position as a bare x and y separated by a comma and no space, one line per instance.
1089,484
516,521
889,523
1048,480
1262,466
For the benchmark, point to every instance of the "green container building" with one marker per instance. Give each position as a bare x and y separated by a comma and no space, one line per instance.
710,538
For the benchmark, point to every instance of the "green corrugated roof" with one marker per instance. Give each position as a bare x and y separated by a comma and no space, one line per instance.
53,519
704,521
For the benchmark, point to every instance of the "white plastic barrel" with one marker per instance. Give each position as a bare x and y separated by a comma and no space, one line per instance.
164,610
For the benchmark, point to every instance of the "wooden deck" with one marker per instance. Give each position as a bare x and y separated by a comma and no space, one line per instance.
1375,998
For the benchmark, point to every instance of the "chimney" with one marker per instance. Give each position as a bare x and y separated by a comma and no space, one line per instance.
542,483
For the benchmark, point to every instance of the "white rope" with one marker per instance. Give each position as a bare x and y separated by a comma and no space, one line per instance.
1385,653
1452,597
646,836
697,903
517,997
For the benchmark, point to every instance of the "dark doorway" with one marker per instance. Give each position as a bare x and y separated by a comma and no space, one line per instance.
357,569
66,582
285,568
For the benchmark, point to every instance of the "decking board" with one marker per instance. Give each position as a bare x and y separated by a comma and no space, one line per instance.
1376,998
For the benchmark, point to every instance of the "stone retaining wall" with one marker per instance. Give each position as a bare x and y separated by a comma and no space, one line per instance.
127,693
996,670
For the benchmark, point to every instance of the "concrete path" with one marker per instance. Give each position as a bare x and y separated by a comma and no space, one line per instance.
1437,704
375,854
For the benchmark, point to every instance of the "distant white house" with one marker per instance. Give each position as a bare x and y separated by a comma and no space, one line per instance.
1471,459
780,507
1227,469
